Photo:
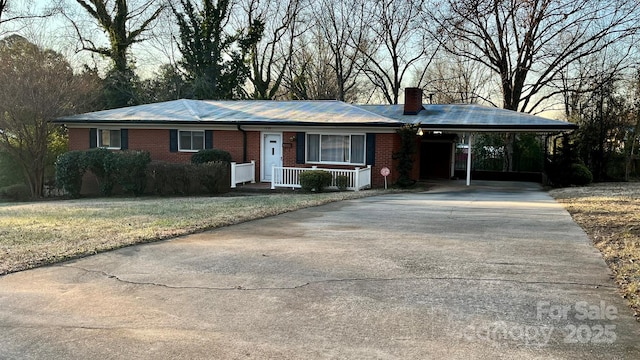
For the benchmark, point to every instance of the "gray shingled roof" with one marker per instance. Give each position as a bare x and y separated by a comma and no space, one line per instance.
470,117
461,117
257,112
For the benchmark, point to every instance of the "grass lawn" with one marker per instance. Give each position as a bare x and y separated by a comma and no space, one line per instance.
40,233
610,214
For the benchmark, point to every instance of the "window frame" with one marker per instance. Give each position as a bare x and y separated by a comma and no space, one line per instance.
204,140
350,135
109,147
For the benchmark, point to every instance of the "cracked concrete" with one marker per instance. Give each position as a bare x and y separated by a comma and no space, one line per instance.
497,270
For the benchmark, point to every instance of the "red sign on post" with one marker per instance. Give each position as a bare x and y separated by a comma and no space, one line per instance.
385,172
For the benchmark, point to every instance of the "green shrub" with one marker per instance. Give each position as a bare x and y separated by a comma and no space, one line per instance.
342,181
188,179
170,178
580,175
70,167
157,177
129,170
100,162
16,192
214,176
210,155
315,180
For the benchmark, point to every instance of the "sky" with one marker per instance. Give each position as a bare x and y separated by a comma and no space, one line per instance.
58,33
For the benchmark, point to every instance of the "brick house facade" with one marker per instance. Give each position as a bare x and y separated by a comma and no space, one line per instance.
301,134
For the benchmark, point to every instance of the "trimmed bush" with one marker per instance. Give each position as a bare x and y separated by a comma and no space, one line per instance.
188,179
580,175
16,192
99,162
170,178
315,180
342,181
210,155
70,167
214,176
129,170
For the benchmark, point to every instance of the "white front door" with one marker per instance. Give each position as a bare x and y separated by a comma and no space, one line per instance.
271,154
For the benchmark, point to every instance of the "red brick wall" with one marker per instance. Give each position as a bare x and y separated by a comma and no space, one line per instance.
156,141
386,145
78,139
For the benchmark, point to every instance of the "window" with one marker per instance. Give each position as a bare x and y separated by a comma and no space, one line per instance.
109,138
342,149
191,140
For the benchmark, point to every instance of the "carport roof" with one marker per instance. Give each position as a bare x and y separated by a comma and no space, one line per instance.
470,117
451,117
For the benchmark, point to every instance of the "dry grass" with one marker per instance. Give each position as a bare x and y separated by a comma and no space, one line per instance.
610,214
35,234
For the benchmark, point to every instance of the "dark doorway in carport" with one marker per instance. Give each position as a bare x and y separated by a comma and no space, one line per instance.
436,159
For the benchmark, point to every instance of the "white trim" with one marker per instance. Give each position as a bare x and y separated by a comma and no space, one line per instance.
329,128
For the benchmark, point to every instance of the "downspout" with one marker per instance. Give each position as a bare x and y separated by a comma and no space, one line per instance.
244,144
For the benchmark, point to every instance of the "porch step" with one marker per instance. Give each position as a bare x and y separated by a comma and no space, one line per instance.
264,188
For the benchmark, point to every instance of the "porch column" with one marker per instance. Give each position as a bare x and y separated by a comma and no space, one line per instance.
469,144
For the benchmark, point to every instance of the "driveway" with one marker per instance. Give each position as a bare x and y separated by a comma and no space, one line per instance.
491,271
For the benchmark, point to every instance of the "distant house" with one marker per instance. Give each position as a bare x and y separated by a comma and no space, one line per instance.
282,136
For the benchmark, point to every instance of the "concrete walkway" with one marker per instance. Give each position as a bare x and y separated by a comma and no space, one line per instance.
486,272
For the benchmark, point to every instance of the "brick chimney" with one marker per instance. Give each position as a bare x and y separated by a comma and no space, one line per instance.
412,101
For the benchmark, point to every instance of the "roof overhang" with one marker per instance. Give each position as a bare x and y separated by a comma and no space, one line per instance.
315,114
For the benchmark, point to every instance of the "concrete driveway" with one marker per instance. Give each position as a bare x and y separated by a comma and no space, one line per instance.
485,272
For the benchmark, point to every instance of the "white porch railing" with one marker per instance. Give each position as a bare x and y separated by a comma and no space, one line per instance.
242,173
358,179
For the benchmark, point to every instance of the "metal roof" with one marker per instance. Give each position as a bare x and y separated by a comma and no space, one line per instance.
463,117
470,117
251,112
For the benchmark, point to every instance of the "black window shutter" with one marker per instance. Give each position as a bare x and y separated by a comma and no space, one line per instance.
124,139
371,149
300,158
93,138
173,140
208,139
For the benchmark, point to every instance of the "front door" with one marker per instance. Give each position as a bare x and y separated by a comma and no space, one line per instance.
271,154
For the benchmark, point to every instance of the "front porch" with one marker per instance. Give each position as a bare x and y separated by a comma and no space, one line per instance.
289,177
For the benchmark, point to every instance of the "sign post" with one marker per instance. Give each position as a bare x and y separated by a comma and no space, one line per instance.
385,172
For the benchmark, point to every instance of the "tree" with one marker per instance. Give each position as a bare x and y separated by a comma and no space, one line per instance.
341,24
271,55
390,48
165,85
453,79
309,75
124,22
215,62
36,86
3,8
528,44
6,13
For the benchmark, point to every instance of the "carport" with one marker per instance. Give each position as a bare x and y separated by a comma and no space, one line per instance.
441,126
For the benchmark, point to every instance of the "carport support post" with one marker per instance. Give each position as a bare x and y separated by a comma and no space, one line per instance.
469,143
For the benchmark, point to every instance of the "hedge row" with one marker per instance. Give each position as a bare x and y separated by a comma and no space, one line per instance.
124,168
134,173
189,179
